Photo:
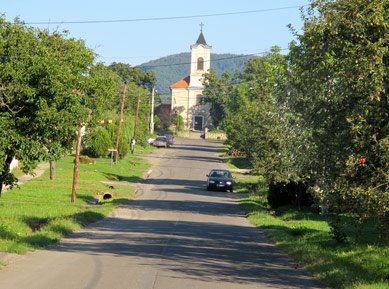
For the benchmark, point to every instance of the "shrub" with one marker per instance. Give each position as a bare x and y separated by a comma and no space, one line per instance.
124,147
179,122
338,230
291,193
6,232
277,195
87,160
98,142
103,138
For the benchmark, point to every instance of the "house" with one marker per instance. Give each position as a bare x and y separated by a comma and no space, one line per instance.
187,94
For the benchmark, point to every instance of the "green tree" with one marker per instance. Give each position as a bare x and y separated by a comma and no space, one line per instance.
339,86
48,87
98,141
130,74
179,122
157,122
255,121
216,93
249,106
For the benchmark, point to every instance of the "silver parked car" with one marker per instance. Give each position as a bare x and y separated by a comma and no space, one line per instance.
161,141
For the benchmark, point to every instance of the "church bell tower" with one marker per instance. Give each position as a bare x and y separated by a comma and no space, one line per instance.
200,60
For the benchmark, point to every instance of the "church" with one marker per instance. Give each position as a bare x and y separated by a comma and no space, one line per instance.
187,94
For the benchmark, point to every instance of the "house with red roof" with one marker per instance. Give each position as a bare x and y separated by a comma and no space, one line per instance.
187,94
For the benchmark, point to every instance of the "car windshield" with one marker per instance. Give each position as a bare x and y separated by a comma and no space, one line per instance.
161,138
220,174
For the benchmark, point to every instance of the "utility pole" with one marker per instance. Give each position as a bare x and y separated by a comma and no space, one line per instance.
120,126
76,162
152,112
136,123
78,149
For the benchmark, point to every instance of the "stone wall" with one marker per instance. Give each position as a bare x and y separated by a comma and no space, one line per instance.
209,135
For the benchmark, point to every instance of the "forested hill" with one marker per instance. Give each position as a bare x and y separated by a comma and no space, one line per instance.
173,68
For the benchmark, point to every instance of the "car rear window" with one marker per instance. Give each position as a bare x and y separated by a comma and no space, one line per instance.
220,174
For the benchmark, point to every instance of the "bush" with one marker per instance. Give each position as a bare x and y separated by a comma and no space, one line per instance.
124,147
87,160
277,195
338,230
179,122
101,139
292,193
98,142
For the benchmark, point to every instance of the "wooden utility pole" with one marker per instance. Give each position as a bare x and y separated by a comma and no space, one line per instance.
120,126
136,123
76,162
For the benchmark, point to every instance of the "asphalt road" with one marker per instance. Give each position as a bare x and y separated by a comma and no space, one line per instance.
174,234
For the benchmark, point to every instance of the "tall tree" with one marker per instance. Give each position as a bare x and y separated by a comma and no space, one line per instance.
130,74
339,69
45,94
216,93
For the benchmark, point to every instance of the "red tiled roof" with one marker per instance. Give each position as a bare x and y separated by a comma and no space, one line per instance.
182,83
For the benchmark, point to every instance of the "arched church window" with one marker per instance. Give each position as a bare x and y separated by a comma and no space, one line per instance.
200,63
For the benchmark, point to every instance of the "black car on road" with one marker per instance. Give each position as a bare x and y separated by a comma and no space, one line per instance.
220,179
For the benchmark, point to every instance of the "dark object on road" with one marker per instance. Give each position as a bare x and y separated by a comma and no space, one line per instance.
161,141
170,140
220,179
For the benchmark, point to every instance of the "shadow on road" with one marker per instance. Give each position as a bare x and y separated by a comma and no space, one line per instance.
235,257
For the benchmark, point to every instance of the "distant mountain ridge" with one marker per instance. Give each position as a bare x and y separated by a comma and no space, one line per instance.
173,68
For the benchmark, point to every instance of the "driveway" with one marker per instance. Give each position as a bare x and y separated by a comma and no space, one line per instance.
173,234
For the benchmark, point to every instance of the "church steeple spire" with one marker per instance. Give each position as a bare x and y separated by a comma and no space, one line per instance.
201,39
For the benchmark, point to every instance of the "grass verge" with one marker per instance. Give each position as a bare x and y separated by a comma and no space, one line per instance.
361,262
40,212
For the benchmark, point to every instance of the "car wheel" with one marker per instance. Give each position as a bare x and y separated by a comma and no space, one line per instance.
231,190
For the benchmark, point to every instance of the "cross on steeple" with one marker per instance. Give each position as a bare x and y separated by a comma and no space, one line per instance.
201,27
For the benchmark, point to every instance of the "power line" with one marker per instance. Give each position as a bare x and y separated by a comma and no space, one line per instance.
164,18
213,60
145,66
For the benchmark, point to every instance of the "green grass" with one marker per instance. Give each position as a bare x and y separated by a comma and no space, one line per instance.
40,212
238,163
362,262
234,162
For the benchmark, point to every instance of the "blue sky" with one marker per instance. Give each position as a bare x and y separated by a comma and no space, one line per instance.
136,42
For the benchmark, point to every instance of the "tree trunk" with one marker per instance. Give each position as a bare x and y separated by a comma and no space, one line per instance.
52,170
5,171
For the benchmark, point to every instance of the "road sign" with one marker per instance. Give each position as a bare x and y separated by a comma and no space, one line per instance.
174,126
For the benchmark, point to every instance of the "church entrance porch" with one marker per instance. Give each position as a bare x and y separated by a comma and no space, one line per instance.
198,122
